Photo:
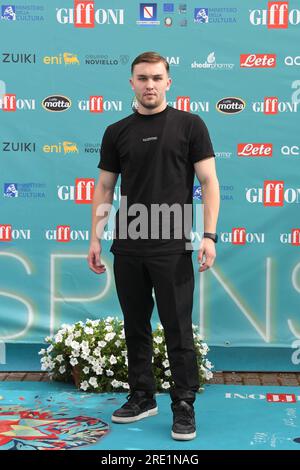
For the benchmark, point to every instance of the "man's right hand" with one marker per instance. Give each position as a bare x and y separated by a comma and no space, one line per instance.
94,260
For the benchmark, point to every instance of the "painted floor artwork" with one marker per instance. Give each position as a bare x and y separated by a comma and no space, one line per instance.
55,416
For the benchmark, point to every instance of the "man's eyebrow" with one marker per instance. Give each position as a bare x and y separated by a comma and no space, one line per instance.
154,76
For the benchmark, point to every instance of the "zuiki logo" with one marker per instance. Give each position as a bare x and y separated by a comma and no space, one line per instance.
56,103
230,105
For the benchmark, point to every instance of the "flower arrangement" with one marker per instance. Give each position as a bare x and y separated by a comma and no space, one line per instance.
94,355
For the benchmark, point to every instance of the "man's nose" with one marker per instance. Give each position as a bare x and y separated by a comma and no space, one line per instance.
149,84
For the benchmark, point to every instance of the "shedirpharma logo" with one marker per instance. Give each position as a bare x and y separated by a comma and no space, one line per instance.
22,12
84,15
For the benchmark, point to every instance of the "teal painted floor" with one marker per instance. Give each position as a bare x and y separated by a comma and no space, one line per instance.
39,415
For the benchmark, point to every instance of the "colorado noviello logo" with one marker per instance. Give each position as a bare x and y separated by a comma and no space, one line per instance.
81,193
18,58
9,233
65,234
273,194
240,236
271,105
10,103
254,150
264,61
291,238
276,16
230,105
84,15
56,103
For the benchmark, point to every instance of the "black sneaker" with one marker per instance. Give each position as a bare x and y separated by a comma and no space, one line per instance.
139,405
184,427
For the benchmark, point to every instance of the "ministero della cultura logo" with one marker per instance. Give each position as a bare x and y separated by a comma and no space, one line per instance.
85,14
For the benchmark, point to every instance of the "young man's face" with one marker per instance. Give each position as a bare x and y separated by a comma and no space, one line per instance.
150,83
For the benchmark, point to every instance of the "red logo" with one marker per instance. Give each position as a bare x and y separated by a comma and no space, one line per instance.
84,190
5,233
238,236
63,233
271,105
278,15
84,14
254,150
281,397
273,193
258,60
183,103
296,236
9,102
96,104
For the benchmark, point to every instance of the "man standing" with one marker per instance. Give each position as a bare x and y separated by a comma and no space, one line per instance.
157,150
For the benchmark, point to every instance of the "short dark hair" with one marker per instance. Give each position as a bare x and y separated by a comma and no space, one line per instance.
150,58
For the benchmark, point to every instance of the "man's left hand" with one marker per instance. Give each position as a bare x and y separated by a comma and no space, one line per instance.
207,250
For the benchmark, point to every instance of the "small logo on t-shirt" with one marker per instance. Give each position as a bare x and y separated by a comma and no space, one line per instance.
147,139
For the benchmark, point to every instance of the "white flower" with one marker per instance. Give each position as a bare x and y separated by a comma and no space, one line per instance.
208,375
58,338
158,340
69,340
112,359
62,369
77,334
97,352
109,336
156,350
88,330
48,338
165,385
108,328
73,361
102,344
59,358
168,373
84,345
84,385
42,351
122,334
125,385
208,364
116,383
98,370
166,363
109,373
50,348
159,327
93,382
117,343
86,370
75,345
124,353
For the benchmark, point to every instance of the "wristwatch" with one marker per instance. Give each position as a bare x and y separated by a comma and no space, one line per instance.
212,236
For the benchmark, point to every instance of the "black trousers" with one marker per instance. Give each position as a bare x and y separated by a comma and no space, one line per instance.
172,277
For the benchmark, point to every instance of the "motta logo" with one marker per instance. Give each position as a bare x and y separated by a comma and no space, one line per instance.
64,234
81,193
8,233
271,105
184,103
254,150
230,105
10,103
258,60
273,194
292,238
56,103
239,236
84,15
276,16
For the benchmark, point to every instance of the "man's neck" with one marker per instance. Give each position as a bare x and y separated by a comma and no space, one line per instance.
159,109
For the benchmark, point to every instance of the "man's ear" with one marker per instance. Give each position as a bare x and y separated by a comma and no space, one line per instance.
169,86
131,83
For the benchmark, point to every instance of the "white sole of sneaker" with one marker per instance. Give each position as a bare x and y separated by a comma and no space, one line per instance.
183,437
146,414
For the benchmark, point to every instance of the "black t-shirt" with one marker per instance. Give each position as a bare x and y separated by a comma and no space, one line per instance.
155,155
